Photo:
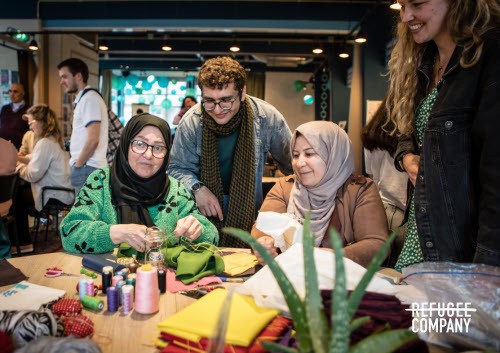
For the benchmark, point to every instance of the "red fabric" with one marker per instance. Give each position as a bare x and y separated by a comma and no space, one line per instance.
6,345
271,333
78,325
174,285
67,306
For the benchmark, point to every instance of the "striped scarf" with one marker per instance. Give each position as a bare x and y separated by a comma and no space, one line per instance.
241,205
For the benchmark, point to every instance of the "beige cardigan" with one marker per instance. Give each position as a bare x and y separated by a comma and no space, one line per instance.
359,216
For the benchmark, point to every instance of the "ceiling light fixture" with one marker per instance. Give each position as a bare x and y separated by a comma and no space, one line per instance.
317,49
103,46
166,47
395,6
360,37
234,47
343,52
33,45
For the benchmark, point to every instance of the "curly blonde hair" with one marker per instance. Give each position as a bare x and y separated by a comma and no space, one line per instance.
50,126
466,21
221,71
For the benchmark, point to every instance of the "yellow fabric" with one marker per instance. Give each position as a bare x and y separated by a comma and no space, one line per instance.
246,319
239,263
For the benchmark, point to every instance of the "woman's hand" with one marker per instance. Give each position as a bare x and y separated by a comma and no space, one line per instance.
410,164
189,227
132,234
268,243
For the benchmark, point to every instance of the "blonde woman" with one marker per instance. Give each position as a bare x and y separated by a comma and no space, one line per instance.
49,165
444,99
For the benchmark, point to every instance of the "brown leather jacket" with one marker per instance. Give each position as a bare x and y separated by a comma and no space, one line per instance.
359,216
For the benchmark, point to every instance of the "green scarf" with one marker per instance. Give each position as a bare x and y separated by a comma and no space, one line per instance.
241,205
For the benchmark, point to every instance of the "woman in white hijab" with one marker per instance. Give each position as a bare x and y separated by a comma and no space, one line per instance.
323,183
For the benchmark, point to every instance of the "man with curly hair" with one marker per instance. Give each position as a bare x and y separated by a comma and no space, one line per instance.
221,145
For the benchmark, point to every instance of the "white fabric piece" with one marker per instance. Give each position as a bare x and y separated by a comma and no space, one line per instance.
266,292
282,227
28,296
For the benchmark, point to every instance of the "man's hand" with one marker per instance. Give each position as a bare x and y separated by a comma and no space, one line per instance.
208,203
268,243
410,164
132,234
189,227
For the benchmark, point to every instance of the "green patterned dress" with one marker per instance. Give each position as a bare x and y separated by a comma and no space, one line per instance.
411,252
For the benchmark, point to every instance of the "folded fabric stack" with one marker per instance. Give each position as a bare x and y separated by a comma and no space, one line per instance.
190,329
239,264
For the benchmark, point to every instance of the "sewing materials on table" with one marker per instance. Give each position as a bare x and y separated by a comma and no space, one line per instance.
174,285
124,273
56,272
128,298
229,279
162,281
90,287
82,288
66,306
246,319
92,303
199,292
108,269
96,288
147,297
132,267
112,295
78,325
116,279
106,280
238,263
119,286
155,236
131,278
88,273
10,274
96,263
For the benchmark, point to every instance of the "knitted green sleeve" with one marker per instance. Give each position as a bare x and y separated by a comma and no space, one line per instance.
187,206
86,227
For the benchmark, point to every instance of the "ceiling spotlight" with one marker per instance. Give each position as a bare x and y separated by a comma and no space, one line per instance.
317,50
234,48
395,6
343,52
33,45
103,46
360,37
166,47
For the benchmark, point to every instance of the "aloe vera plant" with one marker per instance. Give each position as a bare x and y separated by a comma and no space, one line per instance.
313,332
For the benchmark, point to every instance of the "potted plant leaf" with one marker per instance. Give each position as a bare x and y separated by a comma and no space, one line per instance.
314,333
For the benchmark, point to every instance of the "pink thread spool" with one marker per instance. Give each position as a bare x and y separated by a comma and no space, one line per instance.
147,296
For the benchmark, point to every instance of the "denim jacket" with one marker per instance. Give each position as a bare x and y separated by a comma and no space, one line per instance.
457,191
270,131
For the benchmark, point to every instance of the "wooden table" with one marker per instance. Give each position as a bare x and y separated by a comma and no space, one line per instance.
114,332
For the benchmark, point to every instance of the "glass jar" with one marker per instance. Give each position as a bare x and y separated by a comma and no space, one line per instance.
155,237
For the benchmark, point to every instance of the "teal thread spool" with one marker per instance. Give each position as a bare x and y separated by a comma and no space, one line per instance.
92,303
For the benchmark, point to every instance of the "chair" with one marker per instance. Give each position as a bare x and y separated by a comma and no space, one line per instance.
50,209
8,192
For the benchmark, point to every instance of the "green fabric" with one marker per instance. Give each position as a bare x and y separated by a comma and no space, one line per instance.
412,252
226,146
192,264
86,227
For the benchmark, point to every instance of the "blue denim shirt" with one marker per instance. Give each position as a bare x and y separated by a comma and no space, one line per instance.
270,131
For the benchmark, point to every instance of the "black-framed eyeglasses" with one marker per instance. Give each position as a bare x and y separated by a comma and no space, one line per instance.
140,147
224,104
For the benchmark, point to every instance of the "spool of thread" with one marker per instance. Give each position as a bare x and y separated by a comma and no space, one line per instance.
96,288
116,279
108,269
124,273
132,275
127,298
112,294
92,303
119,286
82,288
131,281
147,297
132,267
90,287
162,281
107,277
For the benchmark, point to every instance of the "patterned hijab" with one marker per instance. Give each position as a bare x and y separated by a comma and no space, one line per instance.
334,147
130,193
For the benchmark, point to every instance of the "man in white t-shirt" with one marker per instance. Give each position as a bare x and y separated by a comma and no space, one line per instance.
89,137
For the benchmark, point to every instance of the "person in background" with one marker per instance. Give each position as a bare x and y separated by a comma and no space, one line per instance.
221,147
380,147
444,102
117,204
27,145
89,136
323,182
8,156
12,125
187,103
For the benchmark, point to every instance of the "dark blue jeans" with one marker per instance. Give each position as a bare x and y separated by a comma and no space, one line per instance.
79,176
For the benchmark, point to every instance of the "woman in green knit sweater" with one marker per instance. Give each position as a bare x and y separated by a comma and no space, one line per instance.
117,204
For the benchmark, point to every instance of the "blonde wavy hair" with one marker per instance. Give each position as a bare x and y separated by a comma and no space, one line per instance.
45,115
466,21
